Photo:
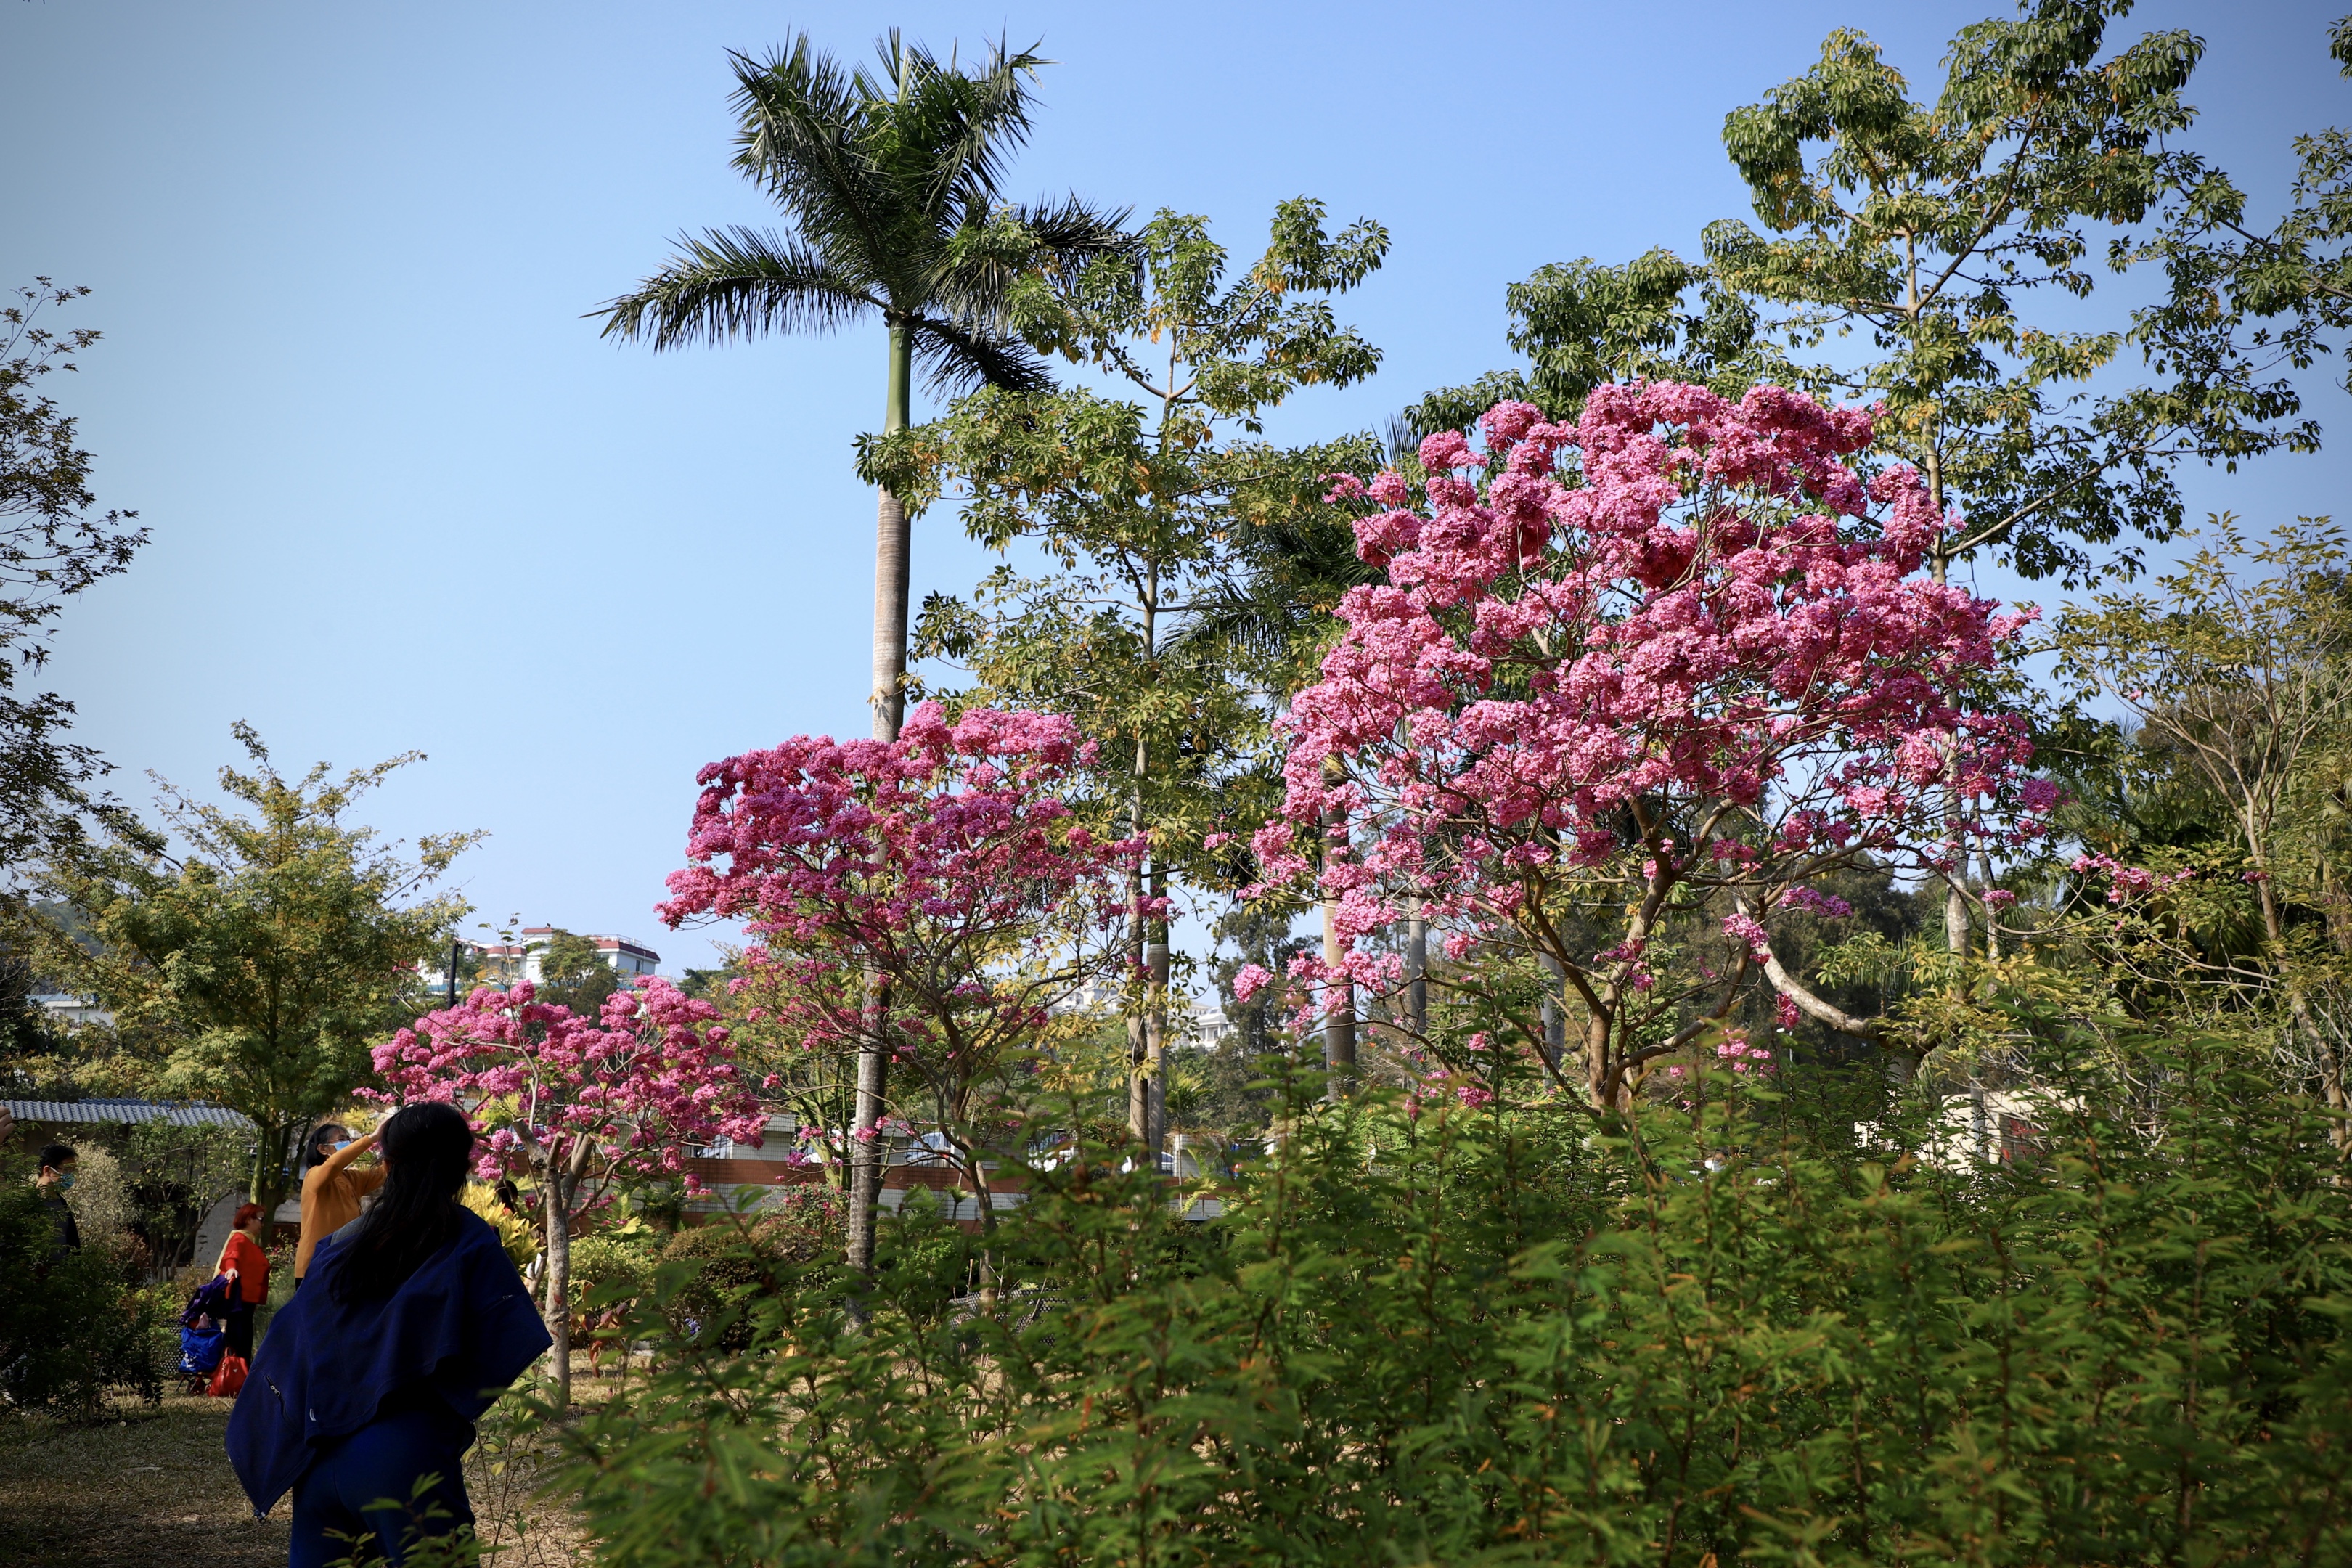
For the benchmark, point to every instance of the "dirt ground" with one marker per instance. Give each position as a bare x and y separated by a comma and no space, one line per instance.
151,1488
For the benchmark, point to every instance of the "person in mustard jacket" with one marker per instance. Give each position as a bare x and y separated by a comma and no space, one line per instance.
332,1188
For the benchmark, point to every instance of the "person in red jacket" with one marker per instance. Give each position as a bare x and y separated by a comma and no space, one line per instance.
243,1256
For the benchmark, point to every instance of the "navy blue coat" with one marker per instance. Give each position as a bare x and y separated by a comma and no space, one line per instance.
458,1331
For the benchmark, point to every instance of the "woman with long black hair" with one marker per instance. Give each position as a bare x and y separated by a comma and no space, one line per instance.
368,1385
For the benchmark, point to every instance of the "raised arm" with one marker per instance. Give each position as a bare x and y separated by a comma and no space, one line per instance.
343,1156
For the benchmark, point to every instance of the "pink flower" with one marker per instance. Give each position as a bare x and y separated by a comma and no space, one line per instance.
1249,980
1747,930
1828,905
1681,608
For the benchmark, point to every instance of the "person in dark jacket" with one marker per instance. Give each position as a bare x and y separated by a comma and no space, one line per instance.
410,1322
56,1179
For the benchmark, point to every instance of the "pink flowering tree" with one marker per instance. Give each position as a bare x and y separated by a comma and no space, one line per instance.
947,866
575,1106
1646,680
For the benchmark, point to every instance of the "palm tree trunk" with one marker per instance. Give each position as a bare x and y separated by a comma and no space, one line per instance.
892,553
892,563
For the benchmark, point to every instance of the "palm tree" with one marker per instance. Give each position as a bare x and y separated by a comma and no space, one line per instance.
888,183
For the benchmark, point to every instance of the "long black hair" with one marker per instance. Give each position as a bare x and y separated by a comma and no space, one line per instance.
425,1150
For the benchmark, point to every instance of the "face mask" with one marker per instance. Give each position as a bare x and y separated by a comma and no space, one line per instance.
65,1180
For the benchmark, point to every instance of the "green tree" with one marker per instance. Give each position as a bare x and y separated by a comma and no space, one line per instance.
574,973
1925,228
2244,301
2240,666
270,956
1137,495
51,548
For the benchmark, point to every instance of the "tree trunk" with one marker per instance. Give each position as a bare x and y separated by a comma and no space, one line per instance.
268,1183
1416,974
893,551
1340,1001
555,1200
1554,1016
893,562
867,1151
1991,913
1155,1029
1139,1064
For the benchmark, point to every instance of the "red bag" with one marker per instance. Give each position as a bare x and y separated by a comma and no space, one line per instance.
228,1379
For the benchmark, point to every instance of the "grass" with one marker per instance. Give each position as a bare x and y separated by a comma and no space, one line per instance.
150,1487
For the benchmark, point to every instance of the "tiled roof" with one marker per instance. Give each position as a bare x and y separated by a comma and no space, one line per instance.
119,1110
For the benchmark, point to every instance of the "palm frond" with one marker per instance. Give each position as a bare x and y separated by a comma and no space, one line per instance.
1275,611
957,359
1073,234
957,129
734,283
806,137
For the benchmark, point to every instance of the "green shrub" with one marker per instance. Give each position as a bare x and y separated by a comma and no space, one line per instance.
804,1224
712,1275
612,1271
71,1328
1491,1334
922,1258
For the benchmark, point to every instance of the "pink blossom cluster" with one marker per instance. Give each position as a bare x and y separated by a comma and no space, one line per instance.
626,1095
2126,882
1735,1050
1680,609
947,862
1829,906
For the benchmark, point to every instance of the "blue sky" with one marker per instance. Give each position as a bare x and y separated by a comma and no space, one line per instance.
404,496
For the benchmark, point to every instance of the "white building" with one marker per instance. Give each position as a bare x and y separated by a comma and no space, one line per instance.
1196,1021
70,1011
501,965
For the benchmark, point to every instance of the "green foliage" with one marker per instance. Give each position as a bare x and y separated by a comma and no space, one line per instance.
574,975
2236,675
922,1260
2281,292
50,549
265,963
1904,247
1928,227
1148,508
889,182
707,1271
611,1273
1703,1338
1581,323
71,1329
